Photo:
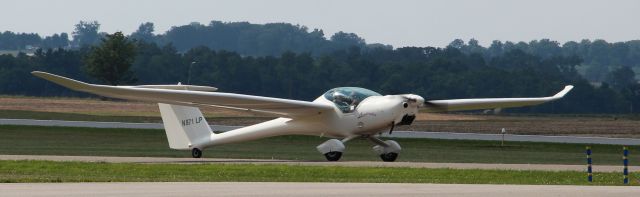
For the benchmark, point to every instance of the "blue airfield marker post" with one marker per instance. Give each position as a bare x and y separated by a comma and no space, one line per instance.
589,172
625,161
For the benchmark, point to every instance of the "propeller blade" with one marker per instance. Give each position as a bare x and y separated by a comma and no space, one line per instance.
433,107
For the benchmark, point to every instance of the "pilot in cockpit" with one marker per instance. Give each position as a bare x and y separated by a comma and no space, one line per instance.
341,99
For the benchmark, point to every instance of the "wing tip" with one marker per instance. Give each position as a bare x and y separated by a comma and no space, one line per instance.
43,75
38,73
564,91
60,80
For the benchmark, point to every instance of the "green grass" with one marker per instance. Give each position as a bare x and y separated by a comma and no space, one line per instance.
35,140
49,171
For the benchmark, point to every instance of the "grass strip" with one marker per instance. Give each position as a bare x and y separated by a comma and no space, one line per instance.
50,171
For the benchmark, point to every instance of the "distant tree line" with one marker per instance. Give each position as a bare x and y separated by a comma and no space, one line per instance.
284,60
85,34
599,56
435,73
252,39
22,41
242,37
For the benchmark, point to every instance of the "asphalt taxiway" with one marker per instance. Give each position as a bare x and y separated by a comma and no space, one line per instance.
396,134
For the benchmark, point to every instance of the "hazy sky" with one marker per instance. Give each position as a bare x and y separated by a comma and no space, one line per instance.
400,23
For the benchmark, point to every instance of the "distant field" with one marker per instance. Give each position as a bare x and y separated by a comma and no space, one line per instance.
97,110
31,140
47,171
92,106
95,107
15,114
9,52
603,126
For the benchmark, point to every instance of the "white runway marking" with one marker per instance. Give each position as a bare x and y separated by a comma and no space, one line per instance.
305,189
396,134
156,160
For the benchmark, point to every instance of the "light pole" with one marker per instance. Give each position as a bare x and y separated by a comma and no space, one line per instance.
189,74
504,131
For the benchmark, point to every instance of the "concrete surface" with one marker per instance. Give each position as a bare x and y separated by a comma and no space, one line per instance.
304,189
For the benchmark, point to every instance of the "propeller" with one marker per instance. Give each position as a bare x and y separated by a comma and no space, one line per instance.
431,106
412,98
434,107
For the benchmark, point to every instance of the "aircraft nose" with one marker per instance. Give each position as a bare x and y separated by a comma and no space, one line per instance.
419,99
415,98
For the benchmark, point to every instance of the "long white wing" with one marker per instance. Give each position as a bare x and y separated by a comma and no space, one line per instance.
489,103
276,106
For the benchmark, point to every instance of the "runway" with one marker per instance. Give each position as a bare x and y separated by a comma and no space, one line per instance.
304,189
396,134
168,160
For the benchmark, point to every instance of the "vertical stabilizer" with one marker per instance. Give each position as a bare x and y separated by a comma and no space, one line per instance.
185,126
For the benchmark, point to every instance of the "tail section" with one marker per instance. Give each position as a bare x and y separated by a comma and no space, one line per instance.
185,126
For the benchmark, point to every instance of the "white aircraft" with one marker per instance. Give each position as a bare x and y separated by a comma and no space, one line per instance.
342,114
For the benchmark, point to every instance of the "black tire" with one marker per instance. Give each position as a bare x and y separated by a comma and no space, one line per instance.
389,157
333,155
196,153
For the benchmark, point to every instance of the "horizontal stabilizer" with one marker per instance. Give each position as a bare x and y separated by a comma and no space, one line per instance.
177,87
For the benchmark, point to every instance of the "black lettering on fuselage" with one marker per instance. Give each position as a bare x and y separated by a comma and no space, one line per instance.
190,121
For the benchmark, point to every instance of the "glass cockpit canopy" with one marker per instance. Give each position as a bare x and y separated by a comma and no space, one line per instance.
348,98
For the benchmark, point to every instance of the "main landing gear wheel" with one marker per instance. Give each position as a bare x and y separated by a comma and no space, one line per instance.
332,149
389,157
333,155
196,153
388,150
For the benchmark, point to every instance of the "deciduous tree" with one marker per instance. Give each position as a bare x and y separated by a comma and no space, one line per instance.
110,61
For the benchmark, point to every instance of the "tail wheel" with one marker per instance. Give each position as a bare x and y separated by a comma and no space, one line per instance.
196,153
389,157
333,155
